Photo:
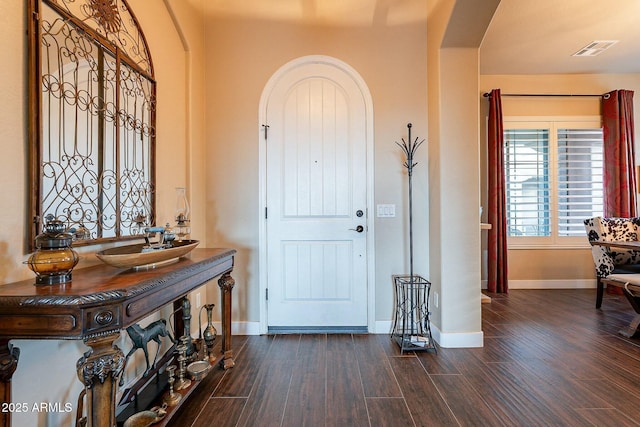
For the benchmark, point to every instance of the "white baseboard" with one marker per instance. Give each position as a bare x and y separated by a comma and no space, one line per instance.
446,340
238,328
382,327
457,339
553,284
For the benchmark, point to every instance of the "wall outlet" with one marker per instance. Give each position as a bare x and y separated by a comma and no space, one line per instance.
198,300
435,299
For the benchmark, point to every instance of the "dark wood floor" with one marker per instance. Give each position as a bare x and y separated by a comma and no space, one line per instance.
549,359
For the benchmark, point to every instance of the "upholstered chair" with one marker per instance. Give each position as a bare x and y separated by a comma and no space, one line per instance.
606,260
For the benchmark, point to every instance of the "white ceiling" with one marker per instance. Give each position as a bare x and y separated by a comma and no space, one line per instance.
523,37
540,37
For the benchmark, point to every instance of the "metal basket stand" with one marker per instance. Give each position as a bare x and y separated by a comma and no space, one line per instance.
411,326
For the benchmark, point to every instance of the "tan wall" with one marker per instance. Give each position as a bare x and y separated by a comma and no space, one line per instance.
189,27
551,265
242,54
13,136
436,26
174,160
565,265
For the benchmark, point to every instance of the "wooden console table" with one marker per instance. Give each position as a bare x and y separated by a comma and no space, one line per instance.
94,307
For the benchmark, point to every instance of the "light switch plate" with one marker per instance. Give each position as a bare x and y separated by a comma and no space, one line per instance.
386,211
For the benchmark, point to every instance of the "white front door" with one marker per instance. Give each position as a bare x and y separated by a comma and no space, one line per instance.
316,197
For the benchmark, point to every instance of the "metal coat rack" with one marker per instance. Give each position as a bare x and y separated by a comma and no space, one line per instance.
411,325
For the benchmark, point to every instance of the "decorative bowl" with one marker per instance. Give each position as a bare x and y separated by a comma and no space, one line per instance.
131,256
199,369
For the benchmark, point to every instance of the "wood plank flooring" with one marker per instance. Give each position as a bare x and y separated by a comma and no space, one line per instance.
550,359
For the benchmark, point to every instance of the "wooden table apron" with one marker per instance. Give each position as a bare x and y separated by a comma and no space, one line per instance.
633,244
98,303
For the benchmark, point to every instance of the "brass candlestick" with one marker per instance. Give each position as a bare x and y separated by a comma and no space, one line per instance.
172,398
182,382
186,338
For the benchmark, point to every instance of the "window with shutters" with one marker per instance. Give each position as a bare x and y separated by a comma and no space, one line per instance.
553,171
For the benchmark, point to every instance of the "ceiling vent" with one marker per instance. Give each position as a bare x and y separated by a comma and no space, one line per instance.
595,48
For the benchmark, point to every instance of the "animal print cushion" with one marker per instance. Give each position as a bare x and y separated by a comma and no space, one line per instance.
612,229
618,229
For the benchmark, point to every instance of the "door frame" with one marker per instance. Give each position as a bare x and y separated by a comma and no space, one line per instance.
262,186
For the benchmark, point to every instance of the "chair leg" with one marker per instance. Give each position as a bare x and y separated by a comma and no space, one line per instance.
599,292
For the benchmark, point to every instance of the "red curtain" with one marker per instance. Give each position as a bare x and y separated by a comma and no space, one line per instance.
497,208
619,157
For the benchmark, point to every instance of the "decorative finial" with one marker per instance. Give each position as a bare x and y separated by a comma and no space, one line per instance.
409,147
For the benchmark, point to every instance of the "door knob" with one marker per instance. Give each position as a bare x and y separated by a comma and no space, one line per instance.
359,229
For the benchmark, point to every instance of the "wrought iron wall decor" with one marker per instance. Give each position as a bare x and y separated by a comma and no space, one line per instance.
92,118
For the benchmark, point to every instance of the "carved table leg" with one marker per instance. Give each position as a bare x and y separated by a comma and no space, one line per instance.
226,284
99,370
8,364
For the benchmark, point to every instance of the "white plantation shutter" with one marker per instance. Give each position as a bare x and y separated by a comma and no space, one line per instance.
527,180
553,172
580,189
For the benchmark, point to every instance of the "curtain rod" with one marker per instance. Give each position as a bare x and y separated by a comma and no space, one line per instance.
605,96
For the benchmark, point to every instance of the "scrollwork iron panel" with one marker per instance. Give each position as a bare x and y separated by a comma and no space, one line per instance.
137,133
94,94
113,21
